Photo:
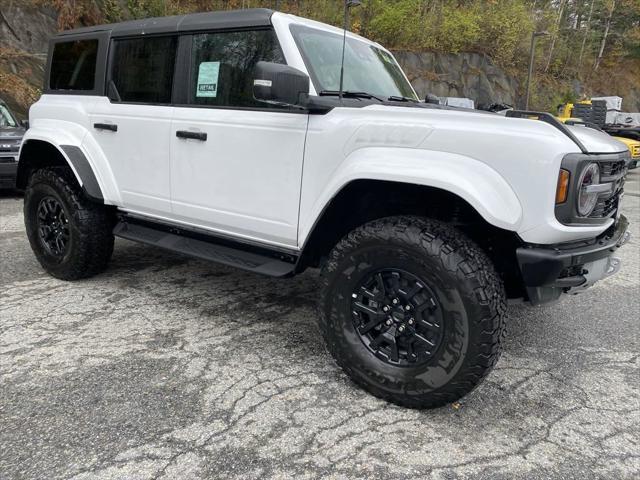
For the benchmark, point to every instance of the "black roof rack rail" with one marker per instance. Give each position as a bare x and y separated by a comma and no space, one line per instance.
582,123
551,120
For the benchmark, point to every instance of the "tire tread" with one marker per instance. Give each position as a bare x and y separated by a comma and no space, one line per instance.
468,263
94,223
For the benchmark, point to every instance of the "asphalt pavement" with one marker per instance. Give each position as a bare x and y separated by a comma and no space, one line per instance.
171,368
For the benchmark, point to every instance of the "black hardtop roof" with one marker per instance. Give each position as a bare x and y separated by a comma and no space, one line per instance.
253,17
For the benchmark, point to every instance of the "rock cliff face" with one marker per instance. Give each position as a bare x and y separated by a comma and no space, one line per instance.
458,75
25,30
24,35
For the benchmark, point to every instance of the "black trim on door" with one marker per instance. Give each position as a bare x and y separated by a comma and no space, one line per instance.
182,71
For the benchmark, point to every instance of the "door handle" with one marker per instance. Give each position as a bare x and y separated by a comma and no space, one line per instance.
192,135
106,126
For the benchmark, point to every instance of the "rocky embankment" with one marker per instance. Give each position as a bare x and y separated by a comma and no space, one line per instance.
24,34
25,30
468,75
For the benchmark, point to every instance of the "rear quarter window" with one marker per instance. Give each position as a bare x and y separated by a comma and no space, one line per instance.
73,65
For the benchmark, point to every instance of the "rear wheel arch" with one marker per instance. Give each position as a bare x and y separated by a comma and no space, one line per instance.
38,154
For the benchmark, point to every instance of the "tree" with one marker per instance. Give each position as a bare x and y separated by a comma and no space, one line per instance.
607,26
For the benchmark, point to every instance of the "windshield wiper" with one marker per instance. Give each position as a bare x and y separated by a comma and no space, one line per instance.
398,98
348,94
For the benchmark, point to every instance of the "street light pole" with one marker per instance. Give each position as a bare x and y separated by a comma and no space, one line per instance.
532,52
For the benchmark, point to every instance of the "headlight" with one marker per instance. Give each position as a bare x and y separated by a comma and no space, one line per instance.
587,198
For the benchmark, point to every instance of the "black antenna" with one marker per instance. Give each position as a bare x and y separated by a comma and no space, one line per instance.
347,5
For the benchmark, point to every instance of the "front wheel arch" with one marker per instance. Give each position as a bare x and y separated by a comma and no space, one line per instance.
362,201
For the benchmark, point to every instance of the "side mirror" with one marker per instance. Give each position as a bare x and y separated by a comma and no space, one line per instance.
25,124
279,84
431,98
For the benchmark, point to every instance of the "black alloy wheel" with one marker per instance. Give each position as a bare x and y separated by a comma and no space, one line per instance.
397,317
53,226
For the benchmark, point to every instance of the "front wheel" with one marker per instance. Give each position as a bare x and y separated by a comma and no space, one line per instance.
412,310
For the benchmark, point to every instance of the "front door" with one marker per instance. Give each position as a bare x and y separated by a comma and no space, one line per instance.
236,163
133,128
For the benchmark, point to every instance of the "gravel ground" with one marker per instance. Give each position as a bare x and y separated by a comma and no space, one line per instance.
167,367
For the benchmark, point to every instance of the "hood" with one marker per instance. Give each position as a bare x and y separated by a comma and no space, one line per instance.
596,141
12,133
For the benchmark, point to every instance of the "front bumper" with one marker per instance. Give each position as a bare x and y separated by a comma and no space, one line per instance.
549,271
8,171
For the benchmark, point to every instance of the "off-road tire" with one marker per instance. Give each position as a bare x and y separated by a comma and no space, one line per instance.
90,226
463,279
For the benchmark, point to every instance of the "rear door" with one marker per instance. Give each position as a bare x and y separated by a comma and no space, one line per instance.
236,163
133,126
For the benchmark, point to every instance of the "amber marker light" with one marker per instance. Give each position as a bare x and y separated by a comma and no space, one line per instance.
562,192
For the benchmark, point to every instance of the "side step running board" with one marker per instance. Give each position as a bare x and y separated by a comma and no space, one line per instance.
208,248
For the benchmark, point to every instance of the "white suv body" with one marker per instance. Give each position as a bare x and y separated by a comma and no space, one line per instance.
167,152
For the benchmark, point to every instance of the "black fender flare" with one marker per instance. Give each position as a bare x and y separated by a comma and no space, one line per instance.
37,154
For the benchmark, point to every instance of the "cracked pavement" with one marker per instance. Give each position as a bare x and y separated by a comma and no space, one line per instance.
167,367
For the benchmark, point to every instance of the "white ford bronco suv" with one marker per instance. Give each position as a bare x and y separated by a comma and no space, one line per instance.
230,137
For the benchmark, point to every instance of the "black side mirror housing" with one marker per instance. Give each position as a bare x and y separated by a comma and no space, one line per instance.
280,84
431,98
25,124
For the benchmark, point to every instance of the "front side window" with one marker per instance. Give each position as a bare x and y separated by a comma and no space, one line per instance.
6,119
142,69
223,64
73,65
367,68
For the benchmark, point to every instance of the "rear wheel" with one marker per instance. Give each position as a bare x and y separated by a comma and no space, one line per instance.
70,236
412,310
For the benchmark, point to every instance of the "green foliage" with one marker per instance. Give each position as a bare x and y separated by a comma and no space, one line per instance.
500,29
113,11
459,29
505,27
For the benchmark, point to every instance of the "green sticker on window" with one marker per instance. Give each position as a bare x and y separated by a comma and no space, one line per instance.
208,79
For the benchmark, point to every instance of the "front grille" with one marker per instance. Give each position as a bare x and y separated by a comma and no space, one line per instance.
611,169
606,206
7,159
613,172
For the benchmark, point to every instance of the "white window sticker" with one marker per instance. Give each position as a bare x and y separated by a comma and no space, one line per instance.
208,79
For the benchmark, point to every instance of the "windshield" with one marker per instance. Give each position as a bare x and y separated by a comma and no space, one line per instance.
6,119
366,68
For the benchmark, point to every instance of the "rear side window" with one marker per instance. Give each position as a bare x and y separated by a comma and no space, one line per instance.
73,65
223,64
142,69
